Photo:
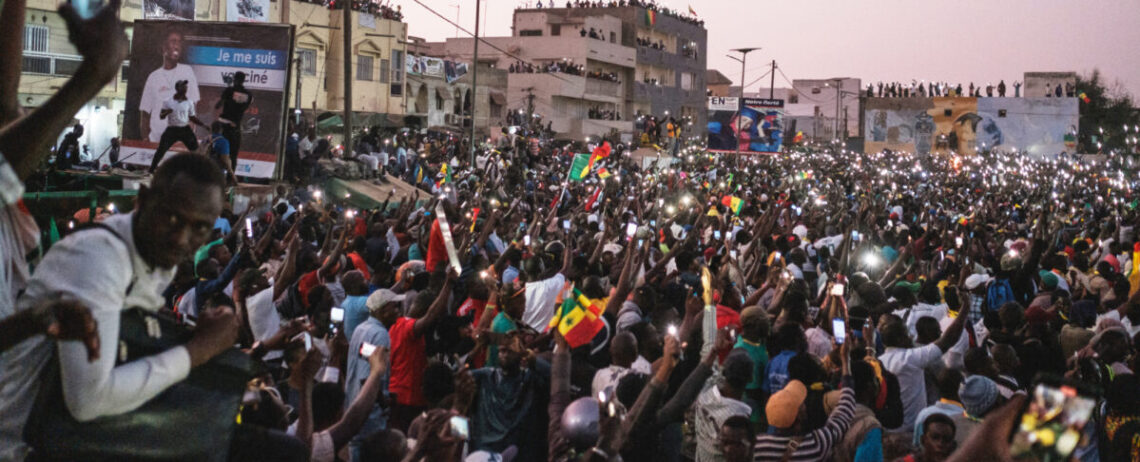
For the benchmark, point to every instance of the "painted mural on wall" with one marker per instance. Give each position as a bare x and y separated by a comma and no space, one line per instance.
1042,126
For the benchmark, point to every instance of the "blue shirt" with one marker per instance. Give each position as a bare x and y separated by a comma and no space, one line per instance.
510,274
221,145
357,367
222,224
776,374
355,312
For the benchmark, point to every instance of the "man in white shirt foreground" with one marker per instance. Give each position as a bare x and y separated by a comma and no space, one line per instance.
180,112
109,271
909,363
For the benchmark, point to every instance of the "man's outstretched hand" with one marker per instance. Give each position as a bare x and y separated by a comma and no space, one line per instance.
100,40
70,320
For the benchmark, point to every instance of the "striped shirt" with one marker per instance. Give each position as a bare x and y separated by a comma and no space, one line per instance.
816,445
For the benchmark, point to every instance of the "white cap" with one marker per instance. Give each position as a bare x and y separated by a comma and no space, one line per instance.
381,298
976,280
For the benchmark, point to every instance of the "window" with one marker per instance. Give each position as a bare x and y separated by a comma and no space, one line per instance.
555,30
613,37
126,69
308,58
530,33
686,81
398,68
384,65
793,98
36,38
364,67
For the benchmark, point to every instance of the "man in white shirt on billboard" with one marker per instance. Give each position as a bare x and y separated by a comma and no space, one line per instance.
160,87
180,113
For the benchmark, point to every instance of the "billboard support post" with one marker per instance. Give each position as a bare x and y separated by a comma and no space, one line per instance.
346,30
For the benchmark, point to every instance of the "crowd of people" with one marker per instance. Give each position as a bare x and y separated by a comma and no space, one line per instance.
922,89
564,67
598,113
381,9
822,304
649,43
651,5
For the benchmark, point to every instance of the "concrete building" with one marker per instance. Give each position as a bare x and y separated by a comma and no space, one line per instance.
646,69
830,120
434,102
717,84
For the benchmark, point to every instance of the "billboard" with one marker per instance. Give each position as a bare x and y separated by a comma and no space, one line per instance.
207,54
247,10
434,67
169,9
1044,127
761,125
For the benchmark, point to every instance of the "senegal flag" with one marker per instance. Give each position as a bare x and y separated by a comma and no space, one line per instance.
650,18
579,319
578,169
733,203
446,171
603,173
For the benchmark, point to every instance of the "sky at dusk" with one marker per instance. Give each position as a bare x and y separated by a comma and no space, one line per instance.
888,40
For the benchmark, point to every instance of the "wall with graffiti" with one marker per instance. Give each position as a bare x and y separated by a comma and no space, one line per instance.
1042,126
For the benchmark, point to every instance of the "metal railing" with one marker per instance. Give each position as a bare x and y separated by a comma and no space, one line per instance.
50,63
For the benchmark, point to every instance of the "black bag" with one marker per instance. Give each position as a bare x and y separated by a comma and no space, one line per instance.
193,419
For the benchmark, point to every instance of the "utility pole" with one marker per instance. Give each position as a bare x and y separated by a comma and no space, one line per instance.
297,97
740,103
346,29
772,82
529,106
475,83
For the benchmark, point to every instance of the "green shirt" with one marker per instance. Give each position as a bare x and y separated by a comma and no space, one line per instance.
758,353
500,325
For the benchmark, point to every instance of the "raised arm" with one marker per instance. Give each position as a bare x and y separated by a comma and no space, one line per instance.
437,307
357,412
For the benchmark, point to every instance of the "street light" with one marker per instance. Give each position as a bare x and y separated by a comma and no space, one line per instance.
740,103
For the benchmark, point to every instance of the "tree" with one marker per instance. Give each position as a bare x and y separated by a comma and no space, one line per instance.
1110,116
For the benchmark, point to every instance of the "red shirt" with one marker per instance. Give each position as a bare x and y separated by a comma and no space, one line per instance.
472,306
358,262
408,360
436,252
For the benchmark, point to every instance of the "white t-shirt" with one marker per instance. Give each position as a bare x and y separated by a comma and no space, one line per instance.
608,378
540,298
920,310
180,112
159,88
908,364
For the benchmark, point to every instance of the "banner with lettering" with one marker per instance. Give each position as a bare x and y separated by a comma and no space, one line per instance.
206,55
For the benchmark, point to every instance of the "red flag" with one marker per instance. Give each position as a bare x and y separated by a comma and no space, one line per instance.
593,199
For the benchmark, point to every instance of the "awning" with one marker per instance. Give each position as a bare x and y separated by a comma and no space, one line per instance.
497,97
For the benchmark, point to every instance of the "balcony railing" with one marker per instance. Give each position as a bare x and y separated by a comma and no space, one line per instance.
602,87
50,64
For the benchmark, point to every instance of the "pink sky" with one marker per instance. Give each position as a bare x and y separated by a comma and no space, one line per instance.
956,41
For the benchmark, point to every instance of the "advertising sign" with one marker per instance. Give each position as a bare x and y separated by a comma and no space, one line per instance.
169,9
761,125
247,10
206,55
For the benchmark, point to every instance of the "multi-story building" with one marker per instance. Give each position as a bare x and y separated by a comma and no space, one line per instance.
377,43
433,101
612,66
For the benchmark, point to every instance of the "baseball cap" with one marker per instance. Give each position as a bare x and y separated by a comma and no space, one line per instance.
380,298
